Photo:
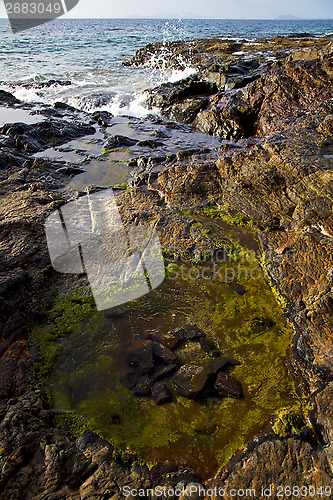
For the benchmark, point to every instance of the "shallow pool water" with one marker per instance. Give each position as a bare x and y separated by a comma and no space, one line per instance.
111,167
202,434
18,115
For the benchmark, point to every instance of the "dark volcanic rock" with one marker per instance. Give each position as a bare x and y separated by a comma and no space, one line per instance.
102,118
143,386
116,141
228,386
140,356
7,99
190,381
163,371
168,94
216,365
50,83
161,393
64,106
36,137
164,354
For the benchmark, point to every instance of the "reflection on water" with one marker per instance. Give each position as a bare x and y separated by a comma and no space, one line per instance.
17,115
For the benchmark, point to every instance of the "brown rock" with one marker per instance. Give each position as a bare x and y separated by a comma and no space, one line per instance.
228,386
143,386
161,393
140,355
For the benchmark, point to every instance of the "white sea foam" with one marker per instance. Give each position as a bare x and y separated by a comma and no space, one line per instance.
178,75
161,71
118,105
29,95
137,106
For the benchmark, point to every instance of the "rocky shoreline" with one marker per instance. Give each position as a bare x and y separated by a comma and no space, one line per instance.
271,168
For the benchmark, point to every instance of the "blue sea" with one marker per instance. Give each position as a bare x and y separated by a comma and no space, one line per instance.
89,52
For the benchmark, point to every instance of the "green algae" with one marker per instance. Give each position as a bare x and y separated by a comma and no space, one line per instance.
87,377
72,424
290,421
234,218
204,435
61,314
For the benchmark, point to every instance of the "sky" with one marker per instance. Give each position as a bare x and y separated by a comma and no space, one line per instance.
213,9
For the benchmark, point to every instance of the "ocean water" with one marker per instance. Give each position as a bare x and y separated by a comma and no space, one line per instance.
88,53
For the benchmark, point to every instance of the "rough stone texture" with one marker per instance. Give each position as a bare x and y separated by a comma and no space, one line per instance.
39,136
190,380
281,177
275,462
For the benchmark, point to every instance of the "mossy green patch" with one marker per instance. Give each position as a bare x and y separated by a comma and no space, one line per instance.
72,424
234,218
202,434
61,314
232,302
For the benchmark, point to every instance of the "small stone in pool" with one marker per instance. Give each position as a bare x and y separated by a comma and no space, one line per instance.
164,354
239,289
140,356
161,393
228,386
143,386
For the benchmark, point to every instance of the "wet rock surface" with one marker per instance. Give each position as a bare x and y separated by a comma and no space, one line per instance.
273,167
167,373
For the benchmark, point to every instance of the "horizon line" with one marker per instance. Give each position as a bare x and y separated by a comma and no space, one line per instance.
191,18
